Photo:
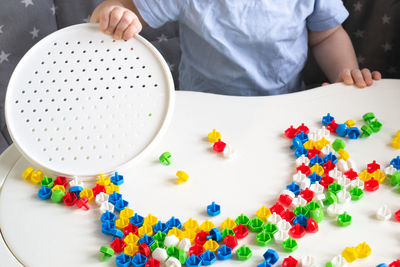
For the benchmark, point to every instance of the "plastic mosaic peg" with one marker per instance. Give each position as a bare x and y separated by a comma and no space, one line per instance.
244,253
271,256
193,261
230,241
117,179
123,260
224,252
219,146
165,158
214,136
213,209
208,258
107,252
289,245
383,213
350,254
182,177
264,238
344,219
363,250
289,262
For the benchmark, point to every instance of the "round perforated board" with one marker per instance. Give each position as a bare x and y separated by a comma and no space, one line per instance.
80,103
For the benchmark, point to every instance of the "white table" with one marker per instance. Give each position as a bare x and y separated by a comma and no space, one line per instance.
41,233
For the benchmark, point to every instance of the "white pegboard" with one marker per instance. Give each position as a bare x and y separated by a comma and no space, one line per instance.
81,103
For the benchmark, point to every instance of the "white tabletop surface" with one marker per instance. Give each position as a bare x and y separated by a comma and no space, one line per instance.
41,233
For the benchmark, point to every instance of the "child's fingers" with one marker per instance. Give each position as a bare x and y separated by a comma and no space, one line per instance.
366,73
376,75
134,28
124,22
104,17
345,76
325,84
358,78
115,16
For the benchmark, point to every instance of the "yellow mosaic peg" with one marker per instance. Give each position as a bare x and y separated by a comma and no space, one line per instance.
350,123
131,239
131,249
59,187
30,174
111,188
150,220
145,229
182,177
121,223
364,175
37,176
343,154
207,225
103,180
321,143
191,235
309,144
26,174
177,232
350,254
126,213
214,136
87,192
379,176
192,225
363,250
263,213
211,245
228,223
318,169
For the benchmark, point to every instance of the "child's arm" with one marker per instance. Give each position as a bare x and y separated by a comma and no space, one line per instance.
335,54
119,18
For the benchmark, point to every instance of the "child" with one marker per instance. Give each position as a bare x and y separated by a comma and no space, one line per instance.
245,47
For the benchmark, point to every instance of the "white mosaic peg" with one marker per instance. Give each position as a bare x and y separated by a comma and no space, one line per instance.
302,160
76,181
317,188
298,201
106,206
335,173
173,262
284,225
185,244
299,177
326,150
357,183
342,165
383,213
352,165
308,261
344,181
390,170
101,198
160,254
306,183
323,132
343,196
339,261
229,152
319,198
314,136
334,210
171,240
274,218
281,236
288,193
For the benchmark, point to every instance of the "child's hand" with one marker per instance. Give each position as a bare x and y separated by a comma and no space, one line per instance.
361,78
116,20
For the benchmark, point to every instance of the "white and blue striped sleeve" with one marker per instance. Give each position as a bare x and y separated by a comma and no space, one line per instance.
327,14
